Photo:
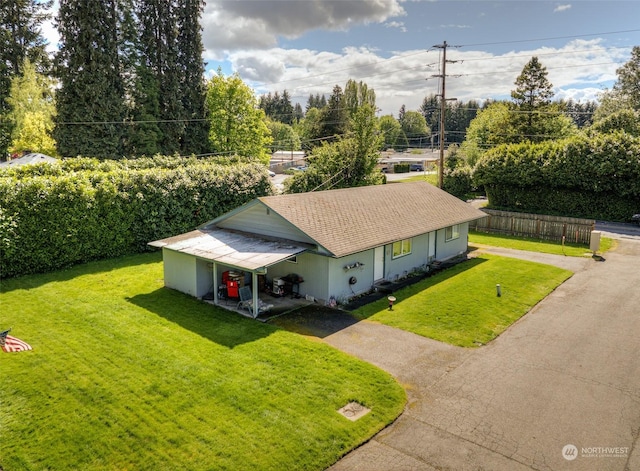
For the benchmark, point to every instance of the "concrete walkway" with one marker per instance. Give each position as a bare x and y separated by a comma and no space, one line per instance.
564,377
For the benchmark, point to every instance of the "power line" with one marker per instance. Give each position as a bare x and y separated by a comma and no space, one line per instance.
551,38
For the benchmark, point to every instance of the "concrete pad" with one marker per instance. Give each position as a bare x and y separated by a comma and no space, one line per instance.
375,456
560,389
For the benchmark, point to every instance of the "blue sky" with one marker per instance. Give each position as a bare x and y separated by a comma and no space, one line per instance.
308,46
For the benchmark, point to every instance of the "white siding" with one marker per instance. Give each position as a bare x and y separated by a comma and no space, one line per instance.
204,277
258,219
339,277
180,272
402,266
312,268
446,250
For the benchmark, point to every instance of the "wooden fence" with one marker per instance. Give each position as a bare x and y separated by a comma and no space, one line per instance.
536,226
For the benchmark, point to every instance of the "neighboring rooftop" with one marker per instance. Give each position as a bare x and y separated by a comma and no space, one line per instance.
28,159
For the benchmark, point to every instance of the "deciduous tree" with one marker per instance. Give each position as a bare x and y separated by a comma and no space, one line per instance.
415,128
348,162
238,126
20,38
32,110
392,134
628,83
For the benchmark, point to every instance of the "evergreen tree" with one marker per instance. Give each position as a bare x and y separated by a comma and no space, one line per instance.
532,87
580,113
532,100
278,107
430,109
159,56
191,69
286,108
316,101
90,101
298,114
20,39
401,112
334,115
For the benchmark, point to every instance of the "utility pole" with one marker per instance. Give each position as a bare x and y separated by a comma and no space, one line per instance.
443,108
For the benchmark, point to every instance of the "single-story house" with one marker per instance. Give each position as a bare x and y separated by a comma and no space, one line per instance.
333,245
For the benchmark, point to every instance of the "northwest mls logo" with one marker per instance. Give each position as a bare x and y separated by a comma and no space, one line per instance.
569,452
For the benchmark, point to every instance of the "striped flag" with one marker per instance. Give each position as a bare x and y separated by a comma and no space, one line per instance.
12,344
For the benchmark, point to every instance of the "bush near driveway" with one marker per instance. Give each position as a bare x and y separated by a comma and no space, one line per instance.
460,305
126,374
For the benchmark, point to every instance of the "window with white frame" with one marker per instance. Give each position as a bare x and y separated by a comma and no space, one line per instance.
401,248
452,232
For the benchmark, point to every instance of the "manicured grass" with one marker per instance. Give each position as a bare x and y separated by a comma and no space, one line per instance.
534,245
420,177
126,374
460,305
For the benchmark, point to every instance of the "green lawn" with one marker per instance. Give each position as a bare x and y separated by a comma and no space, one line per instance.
533,245
421,176
125,374
460,305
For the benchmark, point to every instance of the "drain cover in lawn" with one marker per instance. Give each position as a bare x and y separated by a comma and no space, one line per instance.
353,411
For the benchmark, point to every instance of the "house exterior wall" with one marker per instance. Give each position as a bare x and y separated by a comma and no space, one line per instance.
180,272
402,266
204,277
313,268
340,274
447,249
258,219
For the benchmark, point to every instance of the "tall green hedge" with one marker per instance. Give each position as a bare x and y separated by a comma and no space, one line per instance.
595,177
57,215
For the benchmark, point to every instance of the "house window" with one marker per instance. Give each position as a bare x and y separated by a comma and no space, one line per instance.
401,248
452,232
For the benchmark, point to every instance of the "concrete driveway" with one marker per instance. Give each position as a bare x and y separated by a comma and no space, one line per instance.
559,390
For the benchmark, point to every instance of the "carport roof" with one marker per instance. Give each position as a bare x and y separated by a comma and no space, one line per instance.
233,248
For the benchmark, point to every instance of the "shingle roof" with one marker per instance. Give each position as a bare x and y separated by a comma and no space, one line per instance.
351,220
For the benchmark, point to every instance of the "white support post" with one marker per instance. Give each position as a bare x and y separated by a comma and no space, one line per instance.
255,291
215,283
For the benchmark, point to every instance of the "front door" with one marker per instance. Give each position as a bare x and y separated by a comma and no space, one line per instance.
378,263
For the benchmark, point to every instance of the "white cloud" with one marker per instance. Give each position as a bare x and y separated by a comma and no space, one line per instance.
231,25
454,26
560,8
396,24
578,70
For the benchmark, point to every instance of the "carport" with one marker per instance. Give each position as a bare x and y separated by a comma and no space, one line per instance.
223,249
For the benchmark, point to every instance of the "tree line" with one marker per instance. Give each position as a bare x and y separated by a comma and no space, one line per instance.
128,80
530,155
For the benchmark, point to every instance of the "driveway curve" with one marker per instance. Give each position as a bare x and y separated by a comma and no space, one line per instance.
559,390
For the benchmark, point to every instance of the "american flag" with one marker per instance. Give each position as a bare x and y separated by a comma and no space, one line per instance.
12,344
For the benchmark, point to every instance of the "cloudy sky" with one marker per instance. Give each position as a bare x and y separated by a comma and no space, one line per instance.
308,46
